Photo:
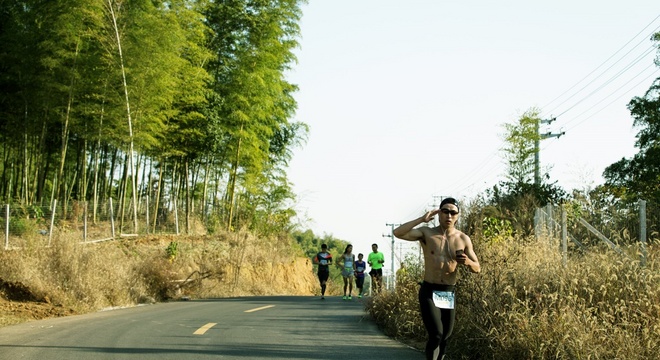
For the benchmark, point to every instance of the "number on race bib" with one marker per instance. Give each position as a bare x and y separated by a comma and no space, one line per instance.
443,299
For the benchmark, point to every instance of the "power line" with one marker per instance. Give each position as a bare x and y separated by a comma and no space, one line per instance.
603,63
419,210
611,102
482,180
478,169
611,94
488,165
637,60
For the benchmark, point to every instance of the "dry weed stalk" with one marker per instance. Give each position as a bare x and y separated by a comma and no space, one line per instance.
526,305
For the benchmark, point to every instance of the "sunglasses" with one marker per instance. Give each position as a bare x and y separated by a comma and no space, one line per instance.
447,211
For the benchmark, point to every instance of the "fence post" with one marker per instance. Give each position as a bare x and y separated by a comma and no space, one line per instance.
537,223
6,226
85,222
176,217
549,225
52,222
112,220
564,236
147,208
642,229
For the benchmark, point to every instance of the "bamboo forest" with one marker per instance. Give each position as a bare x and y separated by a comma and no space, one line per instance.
154,105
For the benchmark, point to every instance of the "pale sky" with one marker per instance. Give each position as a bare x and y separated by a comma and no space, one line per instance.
406,100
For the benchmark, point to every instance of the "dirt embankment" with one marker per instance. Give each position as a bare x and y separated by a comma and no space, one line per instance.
70,278
19,304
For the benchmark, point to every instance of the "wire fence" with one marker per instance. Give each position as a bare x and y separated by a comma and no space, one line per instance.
22,224
614,227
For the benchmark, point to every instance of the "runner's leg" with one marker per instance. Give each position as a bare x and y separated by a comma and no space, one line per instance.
431,319
439,323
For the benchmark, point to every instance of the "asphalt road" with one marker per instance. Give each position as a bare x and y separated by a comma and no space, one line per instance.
283,327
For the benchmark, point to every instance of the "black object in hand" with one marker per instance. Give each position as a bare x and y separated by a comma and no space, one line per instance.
459,252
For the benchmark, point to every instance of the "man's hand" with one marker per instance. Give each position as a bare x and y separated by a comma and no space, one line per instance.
430,215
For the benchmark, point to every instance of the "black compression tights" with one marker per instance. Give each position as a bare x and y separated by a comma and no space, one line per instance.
439,323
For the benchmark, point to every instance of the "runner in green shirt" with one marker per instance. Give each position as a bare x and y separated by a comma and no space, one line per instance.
376,260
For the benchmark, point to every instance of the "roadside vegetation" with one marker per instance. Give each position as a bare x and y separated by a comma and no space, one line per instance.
69,277
526,305
42,278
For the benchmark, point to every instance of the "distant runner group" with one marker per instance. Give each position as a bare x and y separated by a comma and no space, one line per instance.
352,270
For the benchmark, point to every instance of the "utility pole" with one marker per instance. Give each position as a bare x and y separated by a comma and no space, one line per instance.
537,150
391,236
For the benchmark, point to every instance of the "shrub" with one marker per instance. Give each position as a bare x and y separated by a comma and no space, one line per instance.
22,227
526,305
398,311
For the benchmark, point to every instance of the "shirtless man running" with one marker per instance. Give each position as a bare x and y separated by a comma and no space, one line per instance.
444,248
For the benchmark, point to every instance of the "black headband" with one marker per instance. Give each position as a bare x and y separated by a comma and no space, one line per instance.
450,200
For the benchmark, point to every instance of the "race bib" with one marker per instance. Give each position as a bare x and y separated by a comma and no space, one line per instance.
443,299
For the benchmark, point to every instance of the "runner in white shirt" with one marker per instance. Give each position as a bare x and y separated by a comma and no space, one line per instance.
348,270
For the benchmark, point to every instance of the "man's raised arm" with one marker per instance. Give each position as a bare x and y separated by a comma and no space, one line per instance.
408,232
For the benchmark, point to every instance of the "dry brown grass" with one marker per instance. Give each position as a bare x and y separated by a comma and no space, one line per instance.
87,277
526,305
397,312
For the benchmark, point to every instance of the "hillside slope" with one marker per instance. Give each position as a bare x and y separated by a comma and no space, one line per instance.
38,282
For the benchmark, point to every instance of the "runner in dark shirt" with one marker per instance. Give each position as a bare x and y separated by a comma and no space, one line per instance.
360,267
323,259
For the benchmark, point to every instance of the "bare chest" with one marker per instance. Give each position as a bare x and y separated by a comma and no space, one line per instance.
442,248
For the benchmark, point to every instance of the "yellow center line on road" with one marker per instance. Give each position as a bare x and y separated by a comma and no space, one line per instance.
260,308
204,328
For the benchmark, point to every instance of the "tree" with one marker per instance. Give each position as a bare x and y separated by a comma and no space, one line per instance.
253,43
515,199
520,150
191,93
639,177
